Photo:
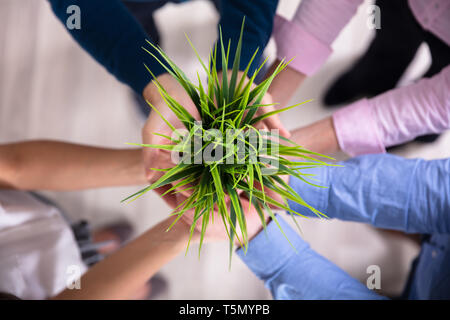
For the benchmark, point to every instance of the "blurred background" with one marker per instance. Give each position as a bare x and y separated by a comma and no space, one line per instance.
51,89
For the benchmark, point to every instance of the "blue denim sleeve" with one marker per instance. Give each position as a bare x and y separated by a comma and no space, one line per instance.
113,37
300,274
259,16
412,195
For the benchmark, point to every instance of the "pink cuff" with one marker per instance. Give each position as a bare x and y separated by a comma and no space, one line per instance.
356,129
293,41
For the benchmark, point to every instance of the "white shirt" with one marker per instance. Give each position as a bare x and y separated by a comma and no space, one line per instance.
38,251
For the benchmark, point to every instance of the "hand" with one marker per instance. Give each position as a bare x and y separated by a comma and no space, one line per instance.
270,123
216,230
319,136
154,158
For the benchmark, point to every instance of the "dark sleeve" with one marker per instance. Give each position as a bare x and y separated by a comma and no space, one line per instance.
301,274
112,36
259,16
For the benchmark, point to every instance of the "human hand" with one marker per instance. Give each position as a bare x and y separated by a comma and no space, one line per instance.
154,158
216,230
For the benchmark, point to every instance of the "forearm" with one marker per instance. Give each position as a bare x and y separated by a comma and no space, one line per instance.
285,84
308,36
51,165
123,273
397,116
258,27
420,108
298,275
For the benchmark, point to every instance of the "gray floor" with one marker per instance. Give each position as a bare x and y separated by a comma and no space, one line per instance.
50,88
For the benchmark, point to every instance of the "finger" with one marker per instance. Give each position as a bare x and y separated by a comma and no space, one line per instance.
169,198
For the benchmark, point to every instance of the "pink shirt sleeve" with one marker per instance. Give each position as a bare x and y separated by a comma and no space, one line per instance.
400,115
309,35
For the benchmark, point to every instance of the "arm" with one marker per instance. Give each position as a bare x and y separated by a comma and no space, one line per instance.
383,190
285,84
307,39
259,16
51,165
301,275
123,273
112,36
400,115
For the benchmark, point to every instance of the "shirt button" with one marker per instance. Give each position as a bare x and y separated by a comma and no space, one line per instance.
436,5
433,254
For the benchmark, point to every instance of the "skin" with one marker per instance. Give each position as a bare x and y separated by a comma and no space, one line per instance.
52,165
285,84
124,272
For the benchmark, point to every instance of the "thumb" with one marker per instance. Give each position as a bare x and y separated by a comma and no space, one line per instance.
274,122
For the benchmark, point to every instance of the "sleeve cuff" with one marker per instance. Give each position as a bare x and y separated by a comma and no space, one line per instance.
269,251
314,196
356,129
295,42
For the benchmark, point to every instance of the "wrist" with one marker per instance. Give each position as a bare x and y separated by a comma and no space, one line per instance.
151,92
136,169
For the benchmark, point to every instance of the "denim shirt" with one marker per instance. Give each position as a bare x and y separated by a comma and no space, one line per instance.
383,190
